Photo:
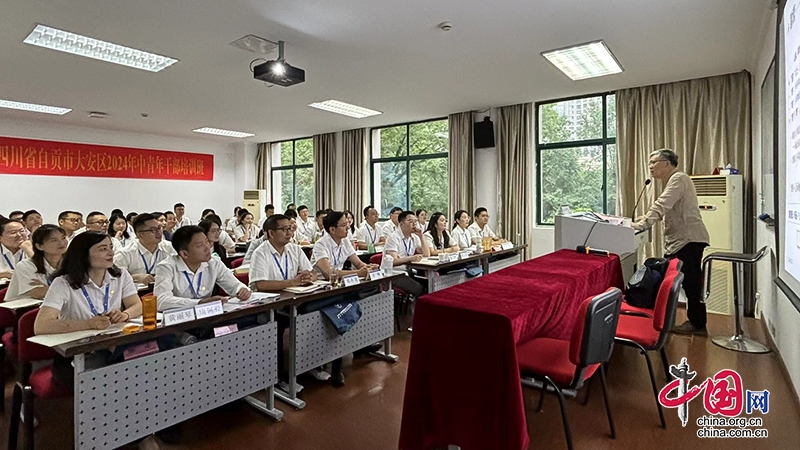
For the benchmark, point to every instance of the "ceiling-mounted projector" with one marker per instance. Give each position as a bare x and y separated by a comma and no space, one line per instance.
279,71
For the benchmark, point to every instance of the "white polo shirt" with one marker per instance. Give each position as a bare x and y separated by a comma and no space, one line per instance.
240,231
461,237
326,248
268,265
230,223
367,234
429,240
476,232
306,230
23,275
134,257
404,246
172,288
8,260
119,244
226,241
387,229
248,255
73,305
183,222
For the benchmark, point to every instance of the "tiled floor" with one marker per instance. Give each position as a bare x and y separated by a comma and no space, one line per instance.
365,414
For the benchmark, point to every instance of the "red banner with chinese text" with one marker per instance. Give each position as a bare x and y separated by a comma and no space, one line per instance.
32,157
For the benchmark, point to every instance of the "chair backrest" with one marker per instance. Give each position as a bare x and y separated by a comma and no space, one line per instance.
243,277
595,327
28,351
668,293
236,262
377,258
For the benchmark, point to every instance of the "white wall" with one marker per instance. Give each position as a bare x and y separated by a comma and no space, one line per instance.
780,315
53,194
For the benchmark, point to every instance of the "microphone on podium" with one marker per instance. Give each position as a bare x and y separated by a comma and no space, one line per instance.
639,198
593,251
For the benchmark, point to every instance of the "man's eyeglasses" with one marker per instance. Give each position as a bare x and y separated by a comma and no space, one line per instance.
100,222
285,229
153,230
16,233
73,220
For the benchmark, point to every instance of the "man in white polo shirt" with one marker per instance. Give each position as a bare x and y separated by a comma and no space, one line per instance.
269,210
479,229
368,233
12,236
70,222
390,226
407,245
333,249
180,218
306,227
140,258
188,277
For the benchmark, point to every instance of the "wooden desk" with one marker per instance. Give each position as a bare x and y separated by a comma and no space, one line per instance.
437,282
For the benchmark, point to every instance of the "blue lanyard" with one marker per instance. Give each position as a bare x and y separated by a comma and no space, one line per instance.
409,248
10,264
371,234
195,292
149,269
338,258
91,305
284,273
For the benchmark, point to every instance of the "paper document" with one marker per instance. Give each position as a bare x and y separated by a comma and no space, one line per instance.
20,303
303,289
52,340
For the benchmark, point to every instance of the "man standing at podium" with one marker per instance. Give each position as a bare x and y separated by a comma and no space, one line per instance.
684,232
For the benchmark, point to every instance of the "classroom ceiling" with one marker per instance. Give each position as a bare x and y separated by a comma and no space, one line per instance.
384,55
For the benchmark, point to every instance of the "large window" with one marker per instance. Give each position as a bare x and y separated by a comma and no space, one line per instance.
293,173
576,156
409,167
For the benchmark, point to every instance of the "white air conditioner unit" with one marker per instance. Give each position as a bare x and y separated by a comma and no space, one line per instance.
254,200
720,198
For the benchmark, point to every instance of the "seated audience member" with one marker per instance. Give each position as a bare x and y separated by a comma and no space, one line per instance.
180,211
12,238
460,233
368,233
480,228
140,258
117,212
407,245
230,224
292,206
172,224
16,216
97,221
32,220
32,276
118,230
268,211
70,222
207,212
390,226
333,249
306,228
292,215
320,227
422,218
248,255
188,277
437,237
213,232
88,291
129,219
245,230
351,225
161,218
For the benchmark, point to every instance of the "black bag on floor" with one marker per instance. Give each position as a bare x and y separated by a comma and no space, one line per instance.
643,286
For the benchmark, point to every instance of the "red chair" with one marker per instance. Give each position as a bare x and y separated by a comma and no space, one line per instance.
39,383
236,263
7,320
561,367
243,277
674,266
650,334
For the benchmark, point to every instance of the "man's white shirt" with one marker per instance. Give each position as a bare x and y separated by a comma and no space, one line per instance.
173,278
326,248
268,265
367,234
476,232
138,260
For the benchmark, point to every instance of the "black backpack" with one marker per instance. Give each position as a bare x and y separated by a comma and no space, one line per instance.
643,286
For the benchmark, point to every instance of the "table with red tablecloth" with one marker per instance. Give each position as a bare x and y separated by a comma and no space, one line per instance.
463,385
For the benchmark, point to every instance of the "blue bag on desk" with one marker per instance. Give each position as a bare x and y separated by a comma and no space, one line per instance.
342,315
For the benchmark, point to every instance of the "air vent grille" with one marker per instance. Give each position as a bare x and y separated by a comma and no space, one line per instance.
711,186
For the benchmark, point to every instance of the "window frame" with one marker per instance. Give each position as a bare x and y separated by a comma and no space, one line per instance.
408,158
603,142
294,166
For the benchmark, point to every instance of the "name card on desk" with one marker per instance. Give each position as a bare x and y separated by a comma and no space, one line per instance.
208,309
376,275
176,316
464,255
506,246
351,280
452,257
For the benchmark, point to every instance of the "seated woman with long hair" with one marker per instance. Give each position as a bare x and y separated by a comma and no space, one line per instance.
88,291
211,227
32,276
245,231
439,240
118,230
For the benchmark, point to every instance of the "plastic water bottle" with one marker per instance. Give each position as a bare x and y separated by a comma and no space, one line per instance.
387,263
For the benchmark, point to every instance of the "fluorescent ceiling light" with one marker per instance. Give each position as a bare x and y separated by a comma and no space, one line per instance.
579,62
34,107
68,42
345,109
227,133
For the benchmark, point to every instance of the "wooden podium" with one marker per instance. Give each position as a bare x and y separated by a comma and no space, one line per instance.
601,232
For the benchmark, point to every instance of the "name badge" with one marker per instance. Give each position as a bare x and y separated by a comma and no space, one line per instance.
452,257
507,245
208,309
376,275
465,255
227,329
351,280
176,316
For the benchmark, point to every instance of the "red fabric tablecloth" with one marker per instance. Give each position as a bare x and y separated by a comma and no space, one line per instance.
463,386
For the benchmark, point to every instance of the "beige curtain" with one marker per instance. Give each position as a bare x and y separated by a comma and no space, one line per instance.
462,164
705,121
263,166
354,146
324,169
514,147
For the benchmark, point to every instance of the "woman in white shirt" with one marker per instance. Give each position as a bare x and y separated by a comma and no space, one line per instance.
351,225
212,230
460,233
32,276
245,231
437,237
422,218
118,230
